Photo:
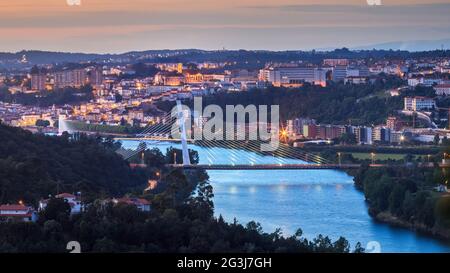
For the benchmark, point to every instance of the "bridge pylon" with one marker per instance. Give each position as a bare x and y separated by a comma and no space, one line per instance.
184,145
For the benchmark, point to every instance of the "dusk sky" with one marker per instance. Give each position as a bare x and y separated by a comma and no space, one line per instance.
113,26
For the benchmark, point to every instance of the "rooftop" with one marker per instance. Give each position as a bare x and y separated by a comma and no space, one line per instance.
14,207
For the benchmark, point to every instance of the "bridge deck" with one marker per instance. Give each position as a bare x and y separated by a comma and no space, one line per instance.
149,139
273,167
295,166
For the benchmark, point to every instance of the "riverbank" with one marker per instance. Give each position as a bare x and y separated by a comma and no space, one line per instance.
367,149
389,218
405,198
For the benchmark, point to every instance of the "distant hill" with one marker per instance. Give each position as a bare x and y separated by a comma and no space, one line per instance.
413,46
36,57
251,59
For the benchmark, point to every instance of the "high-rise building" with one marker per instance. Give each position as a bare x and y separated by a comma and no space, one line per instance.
71,78
393,123
313,131
95,77
363,134
295,126
381,134
38,81
310,131
38,78
79,77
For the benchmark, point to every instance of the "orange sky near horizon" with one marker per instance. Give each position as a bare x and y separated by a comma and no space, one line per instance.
49,6
116,26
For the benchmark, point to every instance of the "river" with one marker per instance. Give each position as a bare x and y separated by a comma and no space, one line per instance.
317,201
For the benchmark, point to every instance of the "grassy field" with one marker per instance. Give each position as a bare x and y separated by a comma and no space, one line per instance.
363,156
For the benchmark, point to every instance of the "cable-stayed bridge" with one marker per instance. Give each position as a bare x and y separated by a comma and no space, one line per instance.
240,154
228,154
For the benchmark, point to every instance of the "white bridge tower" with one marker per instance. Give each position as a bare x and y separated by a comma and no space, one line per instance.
184,145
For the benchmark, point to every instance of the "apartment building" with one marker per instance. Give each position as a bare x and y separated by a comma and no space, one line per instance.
419,103
71,78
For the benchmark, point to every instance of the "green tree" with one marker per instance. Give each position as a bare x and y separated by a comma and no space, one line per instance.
42,123
57,209
436,139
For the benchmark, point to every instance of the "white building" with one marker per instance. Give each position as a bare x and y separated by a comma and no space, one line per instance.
355,80
419,103
73,200
288,76
413,82
17,213
358,71
141,204
442,89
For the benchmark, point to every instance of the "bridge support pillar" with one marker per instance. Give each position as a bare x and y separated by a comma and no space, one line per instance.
184,145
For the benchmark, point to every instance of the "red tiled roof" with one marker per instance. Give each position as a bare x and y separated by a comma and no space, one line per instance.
442,86
143,201
14,207
65,195
134,201
17,215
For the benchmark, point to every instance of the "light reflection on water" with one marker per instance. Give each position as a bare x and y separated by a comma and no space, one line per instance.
317,201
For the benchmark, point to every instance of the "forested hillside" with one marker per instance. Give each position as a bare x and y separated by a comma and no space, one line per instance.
34,166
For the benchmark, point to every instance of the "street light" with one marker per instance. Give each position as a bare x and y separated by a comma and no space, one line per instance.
339,158
283,135
373,158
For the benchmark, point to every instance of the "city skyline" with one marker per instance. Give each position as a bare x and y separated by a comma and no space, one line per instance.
100,26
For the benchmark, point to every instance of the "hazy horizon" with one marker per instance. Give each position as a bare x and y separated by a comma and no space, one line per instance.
356,48
102,26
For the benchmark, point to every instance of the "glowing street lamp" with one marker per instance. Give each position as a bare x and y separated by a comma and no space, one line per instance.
283,134
373,157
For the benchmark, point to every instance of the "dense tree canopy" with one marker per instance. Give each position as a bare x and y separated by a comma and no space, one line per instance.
34,166
406,193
